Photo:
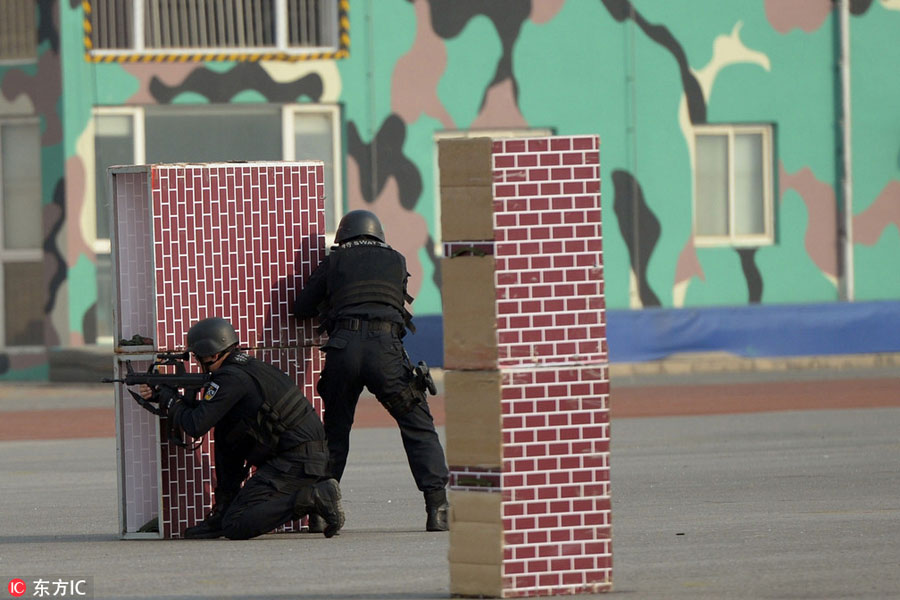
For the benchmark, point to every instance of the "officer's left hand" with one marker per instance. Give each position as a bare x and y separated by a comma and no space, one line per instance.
167,401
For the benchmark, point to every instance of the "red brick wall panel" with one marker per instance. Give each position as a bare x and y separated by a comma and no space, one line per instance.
235,241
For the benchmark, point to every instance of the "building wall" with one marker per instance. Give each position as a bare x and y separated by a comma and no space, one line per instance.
32,90
640,74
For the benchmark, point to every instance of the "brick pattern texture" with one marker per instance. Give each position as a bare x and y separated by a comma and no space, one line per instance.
138,443
134,236
134,310
550,304
551,354
228,240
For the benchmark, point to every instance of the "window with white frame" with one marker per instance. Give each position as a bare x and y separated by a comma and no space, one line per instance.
733,185
214,27
18,32
22,285
209,133
472,133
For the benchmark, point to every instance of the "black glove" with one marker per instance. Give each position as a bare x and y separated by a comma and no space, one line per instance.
167,399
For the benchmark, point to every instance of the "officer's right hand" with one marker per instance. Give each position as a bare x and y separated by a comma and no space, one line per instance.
146,391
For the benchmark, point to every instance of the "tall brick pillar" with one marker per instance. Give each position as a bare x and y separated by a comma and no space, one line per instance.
526,367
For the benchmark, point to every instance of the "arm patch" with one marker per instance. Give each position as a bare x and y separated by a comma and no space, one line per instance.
211,390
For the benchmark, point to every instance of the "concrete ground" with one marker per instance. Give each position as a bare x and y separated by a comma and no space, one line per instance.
738,497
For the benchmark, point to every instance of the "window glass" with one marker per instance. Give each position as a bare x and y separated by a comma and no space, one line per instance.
204,133
314,140
712,185
23,289
212,134
749,208
113,145
20,177
104,296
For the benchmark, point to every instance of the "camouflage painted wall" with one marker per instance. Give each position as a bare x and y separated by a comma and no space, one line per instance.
639,73
35,91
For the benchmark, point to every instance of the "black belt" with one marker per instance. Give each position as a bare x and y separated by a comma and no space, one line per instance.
353,324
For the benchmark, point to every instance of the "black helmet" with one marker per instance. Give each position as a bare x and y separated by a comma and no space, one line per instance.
211,336
357,223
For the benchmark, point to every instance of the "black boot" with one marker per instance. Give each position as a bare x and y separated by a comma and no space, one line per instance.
316,523
437,507
323,499
210,527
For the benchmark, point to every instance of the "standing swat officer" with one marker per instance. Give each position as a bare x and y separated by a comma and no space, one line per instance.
359,293
262,420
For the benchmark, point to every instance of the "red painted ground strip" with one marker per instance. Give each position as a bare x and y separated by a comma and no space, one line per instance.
628,402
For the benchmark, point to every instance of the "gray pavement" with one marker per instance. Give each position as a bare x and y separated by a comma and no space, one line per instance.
59,518
767,505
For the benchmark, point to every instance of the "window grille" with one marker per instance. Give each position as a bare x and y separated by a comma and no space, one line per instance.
209,28
18,32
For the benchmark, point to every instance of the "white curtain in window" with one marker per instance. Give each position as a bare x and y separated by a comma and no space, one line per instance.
314,140
20,171
712,185
749,216
113,145
212,134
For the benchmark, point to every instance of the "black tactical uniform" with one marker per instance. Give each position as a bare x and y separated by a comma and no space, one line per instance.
262,420
359,293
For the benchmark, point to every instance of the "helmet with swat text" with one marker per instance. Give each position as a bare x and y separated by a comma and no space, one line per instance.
358,223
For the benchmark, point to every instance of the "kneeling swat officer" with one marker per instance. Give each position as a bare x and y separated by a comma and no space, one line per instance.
262,420
359,294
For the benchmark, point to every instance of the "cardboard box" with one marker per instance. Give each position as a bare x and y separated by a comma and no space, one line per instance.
469,308
466,162
476,544
467,213
475,507
474,422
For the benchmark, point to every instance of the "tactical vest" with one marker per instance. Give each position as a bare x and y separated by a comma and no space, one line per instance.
283,407
365,272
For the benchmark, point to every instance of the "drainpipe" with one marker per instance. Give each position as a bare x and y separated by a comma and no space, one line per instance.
847,151
371,93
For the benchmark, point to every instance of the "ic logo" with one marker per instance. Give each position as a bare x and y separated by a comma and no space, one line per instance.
17,587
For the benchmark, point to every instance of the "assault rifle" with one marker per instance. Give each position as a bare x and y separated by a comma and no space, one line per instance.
166,385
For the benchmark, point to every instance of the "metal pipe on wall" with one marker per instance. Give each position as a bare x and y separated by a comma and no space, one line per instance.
847,152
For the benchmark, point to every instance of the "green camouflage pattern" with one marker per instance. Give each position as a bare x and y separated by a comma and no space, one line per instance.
639,73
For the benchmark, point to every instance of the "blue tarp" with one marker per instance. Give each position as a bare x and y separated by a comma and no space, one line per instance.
749,331
755,331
